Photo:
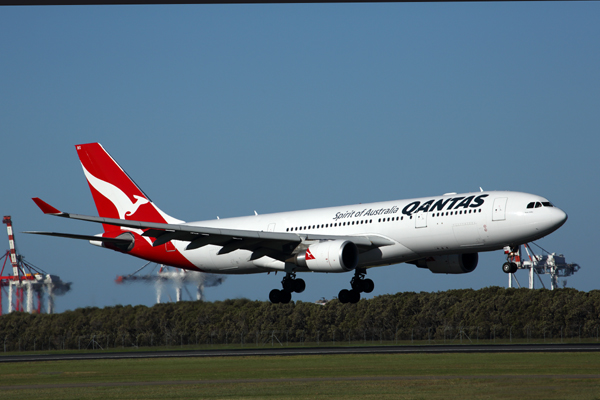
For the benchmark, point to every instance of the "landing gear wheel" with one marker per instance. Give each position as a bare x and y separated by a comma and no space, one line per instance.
275,296
506,267
513,268
299,285
344,296
286,297
288,284
354,296
368,286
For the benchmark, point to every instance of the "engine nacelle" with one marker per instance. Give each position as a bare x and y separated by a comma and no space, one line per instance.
449,264
329,256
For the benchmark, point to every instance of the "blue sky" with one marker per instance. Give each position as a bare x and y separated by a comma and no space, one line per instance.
226,109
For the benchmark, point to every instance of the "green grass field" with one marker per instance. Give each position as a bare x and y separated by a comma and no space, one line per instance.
407,376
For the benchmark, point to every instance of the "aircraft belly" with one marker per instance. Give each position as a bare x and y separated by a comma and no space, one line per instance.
207,259
429,240
386,255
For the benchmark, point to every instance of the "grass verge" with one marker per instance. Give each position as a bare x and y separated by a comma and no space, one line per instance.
409,376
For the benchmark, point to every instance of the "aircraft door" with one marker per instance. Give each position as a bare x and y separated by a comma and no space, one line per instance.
421,220
271,227
499,211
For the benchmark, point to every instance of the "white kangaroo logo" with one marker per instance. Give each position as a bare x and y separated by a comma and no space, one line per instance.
125,207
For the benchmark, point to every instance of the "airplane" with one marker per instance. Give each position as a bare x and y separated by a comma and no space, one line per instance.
442,233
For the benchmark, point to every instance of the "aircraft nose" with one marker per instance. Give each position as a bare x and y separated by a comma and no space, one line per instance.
560,218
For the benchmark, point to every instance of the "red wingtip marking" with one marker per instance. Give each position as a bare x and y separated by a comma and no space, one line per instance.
45,207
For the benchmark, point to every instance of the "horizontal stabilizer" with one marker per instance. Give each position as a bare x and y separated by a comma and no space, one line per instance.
83,237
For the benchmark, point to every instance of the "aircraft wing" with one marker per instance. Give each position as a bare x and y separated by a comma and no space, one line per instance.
230,239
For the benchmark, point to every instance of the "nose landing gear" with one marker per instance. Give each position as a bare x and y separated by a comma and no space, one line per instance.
513,256
359,284
290,284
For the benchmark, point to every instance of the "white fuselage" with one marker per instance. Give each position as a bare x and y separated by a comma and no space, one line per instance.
418,228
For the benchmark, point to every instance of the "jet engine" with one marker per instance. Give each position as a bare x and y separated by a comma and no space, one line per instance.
449,264
329,256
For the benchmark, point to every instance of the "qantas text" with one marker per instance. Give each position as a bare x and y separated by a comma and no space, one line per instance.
453,203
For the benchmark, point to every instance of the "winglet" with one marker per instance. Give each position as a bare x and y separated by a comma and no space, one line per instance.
45,207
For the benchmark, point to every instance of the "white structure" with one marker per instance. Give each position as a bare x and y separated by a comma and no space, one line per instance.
178,277
551,264
23,291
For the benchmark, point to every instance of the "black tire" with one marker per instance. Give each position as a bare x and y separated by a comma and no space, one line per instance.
354,296
288,285
513,268
344,296
286,297
299,285
507,267
368,286
275,296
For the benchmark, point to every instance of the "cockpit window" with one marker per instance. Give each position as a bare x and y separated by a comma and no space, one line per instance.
537,204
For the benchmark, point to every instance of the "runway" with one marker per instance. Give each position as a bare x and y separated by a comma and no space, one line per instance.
304,351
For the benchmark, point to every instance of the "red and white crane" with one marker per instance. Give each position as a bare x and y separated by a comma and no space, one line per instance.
26,279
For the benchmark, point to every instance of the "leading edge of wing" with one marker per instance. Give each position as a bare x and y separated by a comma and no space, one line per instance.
199,230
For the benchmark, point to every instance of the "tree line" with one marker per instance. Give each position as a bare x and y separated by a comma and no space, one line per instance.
490,312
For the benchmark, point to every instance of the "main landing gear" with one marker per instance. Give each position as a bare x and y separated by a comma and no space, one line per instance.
290,284
359,284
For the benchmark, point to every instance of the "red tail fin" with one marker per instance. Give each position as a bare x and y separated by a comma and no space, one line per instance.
114,192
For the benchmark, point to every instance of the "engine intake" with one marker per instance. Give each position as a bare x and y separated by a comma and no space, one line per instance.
449,264
329,256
